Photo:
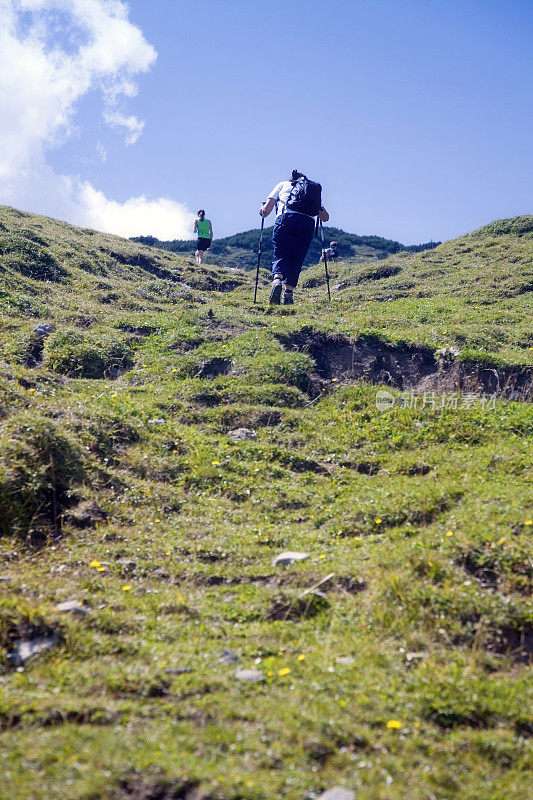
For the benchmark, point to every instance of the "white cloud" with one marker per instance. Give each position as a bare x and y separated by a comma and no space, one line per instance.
52,53
131,124
138,216
101,152
41,82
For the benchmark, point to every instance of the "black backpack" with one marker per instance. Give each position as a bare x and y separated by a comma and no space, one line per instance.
305,197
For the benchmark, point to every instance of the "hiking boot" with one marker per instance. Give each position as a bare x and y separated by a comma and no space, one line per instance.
275,293
288,299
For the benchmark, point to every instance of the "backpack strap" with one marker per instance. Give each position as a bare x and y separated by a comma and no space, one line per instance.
293,184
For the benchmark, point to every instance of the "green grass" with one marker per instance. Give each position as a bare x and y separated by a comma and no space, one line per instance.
421,516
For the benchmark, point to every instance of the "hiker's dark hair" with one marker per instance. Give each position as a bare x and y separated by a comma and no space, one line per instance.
295,175
201,213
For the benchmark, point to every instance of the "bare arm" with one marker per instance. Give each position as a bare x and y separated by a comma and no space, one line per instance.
267,207
195,226
323,215
210,230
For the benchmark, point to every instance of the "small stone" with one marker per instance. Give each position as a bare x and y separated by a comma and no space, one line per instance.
289,557
160,573
178,670
27,648
43,329
251,675
74,606
227,657
337,793
158,422
242,434
411,657
126,564
347,661
4,579
86,514
58,569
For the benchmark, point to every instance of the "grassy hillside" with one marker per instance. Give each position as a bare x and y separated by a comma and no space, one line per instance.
395,659
241,249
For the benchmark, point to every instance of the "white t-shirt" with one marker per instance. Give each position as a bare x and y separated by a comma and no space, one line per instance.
281,194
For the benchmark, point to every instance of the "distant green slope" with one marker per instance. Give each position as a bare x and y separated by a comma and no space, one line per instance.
240,250
487,265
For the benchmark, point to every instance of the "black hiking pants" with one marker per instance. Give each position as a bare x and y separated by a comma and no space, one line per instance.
292,236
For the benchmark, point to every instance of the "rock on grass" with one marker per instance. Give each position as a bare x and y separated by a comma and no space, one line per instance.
337,793
250,675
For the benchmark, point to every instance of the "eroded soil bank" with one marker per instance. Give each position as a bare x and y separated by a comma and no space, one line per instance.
407,366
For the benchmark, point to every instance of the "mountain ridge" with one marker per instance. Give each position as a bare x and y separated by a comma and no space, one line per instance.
240,249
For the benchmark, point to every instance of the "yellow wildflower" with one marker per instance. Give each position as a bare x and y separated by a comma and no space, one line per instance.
284,671
394,723
126,588
95,564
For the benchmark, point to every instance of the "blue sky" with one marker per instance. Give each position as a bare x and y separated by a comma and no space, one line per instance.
415,115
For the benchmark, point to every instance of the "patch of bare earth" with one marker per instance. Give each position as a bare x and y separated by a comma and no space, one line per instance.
515,642
140,789
405,366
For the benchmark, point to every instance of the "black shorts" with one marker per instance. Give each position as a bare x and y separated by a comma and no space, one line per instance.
203,244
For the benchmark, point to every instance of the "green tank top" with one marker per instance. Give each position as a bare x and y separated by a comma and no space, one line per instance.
203,229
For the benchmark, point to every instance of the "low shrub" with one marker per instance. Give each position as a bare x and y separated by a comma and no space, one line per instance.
38,466
29,259
83,355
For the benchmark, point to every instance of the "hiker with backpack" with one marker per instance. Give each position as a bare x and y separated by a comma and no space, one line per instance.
205,235
298,209
331,252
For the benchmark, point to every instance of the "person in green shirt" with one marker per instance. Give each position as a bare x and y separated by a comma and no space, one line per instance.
203,227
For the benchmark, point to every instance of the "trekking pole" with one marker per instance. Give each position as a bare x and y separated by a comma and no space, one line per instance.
259,256
325,258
